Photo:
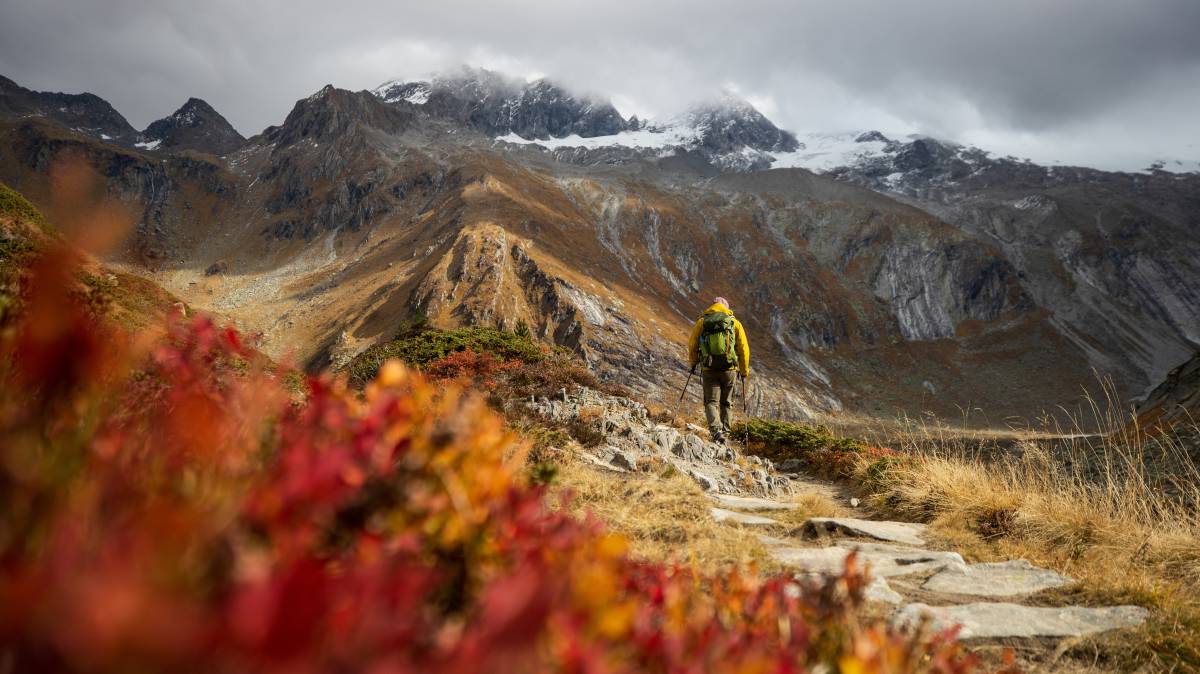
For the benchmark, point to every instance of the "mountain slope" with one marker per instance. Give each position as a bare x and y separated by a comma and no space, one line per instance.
1114,256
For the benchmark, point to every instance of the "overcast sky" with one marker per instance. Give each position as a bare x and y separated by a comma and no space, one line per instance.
1108,83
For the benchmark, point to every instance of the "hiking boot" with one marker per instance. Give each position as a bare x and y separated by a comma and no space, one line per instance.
718,438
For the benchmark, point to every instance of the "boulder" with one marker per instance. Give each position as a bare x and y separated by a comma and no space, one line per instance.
621,459
665,438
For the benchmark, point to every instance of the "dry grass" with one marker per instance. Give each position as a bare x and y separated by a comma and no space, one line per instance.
666,516
1117,510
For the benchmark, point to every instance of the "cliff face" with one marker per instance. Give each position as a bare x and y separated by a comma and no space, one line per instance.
1113,256
1175,402
327,232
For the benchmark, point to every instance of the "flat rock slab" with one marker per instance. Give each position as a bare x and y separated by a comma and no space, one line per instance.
884,560
751,503
892,532
986,620
879,590
723,515
995,579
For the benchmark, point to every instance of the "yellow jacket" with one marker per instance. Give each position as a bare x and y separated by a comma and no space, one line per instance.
742,346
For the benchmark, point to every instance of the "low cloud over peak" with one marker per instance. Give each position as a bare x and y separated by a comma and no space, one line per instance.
1107,83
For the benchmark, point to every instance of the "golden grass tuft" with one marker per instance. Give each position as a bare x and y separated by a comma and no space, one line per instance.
1116,510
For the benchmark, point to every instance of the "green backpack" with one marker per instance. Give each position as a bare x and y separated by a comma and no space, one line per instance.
717,339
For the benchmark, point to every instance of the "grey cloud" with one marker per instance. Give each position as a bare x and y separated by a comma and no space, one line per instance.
1052,78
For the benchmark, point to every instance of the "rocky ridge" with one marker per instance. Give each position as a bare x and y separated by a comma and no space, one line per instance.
86,113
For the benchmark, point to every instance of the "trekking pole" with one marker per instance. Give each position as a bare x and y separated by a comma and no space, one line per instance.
745,411
683,393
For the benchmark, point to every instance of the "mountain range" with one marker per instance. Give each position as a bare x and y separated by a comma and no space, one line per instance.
874,274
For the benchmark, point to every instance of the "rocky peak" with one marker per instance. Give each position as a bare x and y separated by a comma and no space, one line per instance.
478,83
871,136
332,112
194,126
730,123
498,105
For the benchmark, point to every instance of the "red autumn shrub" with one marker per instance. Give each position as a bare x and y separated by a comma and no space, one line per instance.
479,368
165,507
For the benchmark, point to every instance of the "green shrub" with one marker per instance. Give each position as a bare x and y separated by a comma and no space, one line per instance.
522,329
423,348
817,447
781,439
14,205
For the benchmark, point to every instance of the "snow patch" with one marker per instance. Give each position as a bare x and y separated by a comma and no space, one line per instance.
148,145
418,97
392,91
825,152
656,138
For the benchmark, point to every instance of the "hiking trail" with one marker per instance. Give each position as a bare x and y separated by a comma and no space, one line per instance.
913,580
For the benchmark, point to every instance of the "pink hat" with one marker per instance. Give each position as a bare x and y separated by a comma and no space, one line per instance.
721,300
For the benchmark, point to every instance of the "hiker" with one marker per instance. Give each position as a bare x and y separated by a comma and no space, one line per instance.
718,344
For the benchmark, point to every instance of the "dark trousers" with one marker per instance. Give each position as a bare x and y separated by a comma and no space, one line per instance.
718,389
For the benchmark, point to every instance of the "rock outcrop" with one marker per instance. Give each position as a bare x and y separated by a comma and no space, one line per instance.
632,441
1175,403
